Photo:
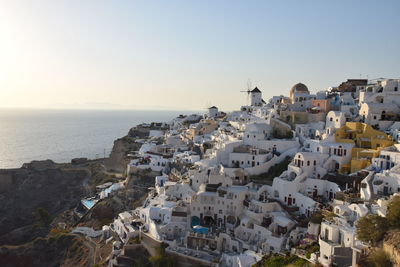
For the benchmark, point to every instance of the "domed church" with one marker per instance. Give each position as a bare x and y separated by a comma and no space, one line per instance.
298,92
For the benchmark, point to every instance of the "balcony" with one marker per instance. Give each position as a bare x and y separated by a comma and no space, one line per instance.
329,242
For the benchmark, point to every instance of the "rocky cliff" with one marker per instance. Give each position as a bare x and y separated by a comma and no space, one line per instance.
48,186
63,250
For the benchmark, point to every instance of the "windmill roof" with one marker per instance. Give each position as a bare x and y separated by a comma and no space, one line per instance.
256,90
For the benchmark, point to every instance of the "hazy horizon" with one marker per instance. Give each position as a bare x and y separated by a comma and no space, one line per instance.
103,107
186,55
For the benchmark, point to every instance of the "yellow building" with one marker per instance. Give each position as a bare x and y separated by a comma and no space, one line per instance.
367,141
203,127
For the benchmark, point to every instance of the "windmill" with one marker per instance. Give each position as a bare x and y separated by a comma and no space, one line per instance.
248,90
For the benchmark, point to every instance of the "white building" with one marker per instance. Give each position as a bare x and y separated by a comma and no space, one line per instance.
212,112
338,244
335,120
122,225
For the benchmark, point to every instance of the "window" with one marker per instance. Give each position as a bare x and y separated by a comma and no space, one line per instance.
308,163
315,162
330,119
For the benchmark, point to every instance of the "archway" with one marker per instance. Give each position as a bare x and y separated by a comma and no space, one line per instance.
195,221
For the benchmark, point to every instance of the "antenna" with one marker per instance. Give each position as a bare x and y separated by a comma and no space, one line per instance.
207,106
249,85
248,90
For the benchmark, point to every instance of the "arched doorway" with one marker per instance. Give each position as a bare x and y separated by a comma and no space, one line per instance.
194,221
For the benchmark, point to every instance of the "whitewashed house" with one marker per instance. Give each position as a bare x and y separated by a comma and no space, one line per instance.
338,244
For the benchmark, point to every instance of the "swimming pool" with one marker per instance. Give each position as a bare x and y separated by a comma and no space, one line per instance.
89,203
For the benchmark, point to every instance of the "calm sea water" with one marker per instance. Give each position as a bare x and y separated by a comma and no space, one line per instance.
62,135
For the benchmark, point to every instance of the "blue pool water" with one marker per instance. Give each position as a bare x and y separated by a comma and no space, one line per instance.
89,203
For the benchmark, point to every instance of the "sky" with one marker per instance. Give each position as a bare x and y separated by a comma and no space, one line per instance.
187,55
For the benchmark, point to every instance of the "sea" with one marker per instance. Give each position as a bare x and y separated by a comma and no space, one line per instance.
61,135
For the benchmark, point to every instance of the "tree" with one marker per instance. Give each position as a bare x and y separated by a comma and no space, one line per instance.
317,217
371,228
393,214
161,259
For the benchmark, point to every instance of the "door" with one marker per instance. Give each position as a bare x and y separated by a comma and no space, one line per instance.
289,201
385,190
336,166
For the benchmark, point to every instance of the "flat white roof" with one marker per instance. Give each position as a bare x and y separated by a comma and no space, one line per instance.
282,221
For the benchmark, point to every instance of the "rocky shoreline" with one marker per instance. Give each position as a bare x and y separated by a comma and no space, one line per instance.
42,199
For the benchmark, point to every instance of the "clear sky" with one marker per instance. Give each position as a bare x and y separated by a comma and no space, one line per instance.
187,54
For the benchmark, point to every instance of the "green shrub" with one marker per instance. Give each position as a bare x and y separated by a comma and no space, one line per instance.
311,250
393,214
273,172
161,259
277,260
372,228
316,218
